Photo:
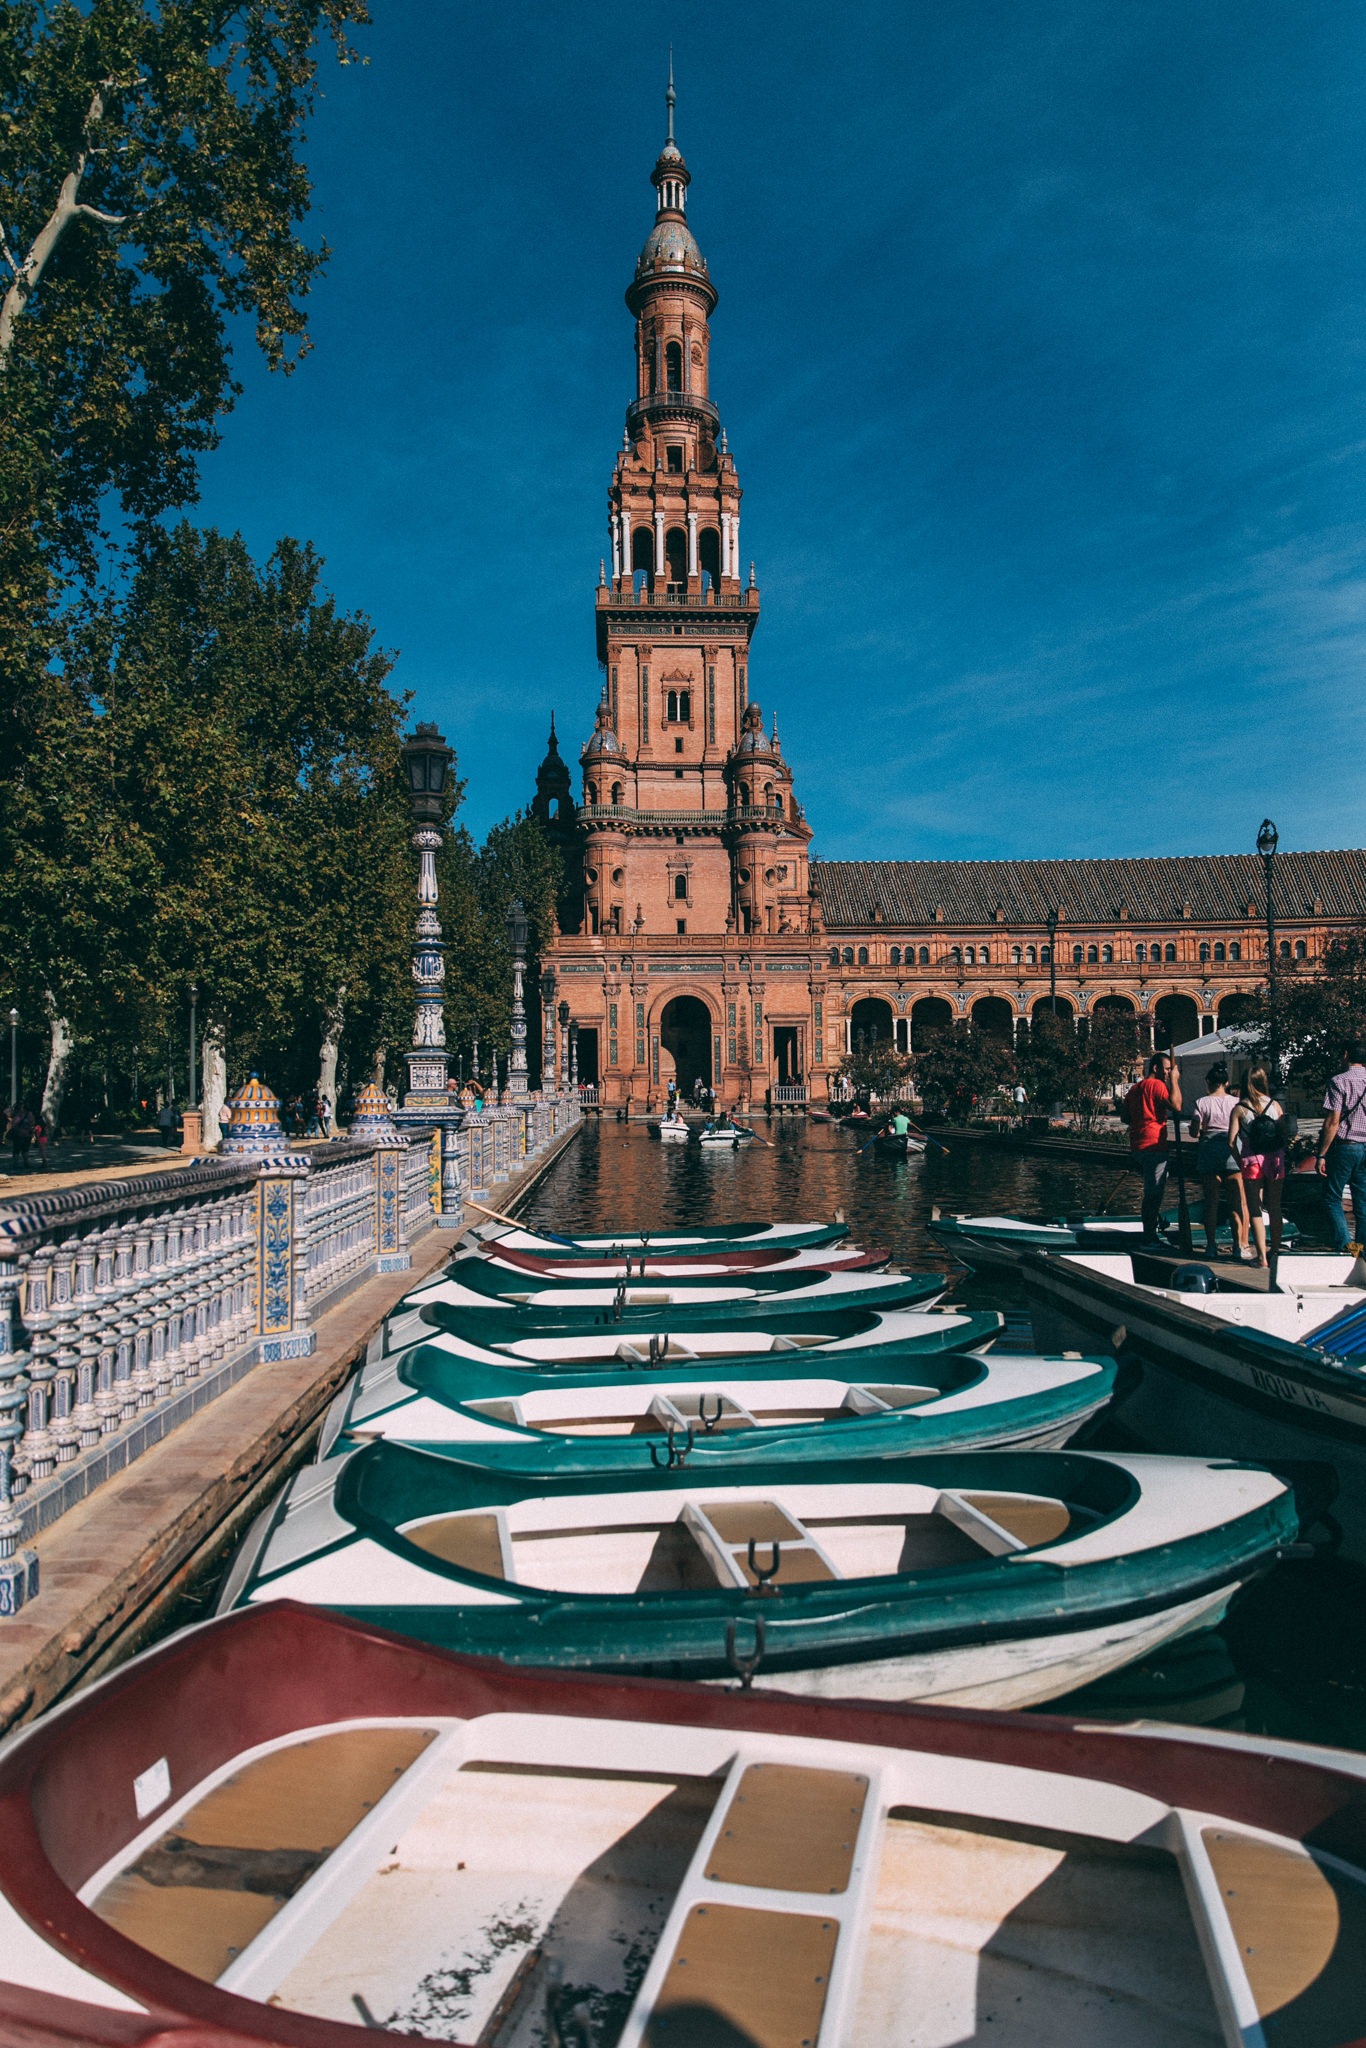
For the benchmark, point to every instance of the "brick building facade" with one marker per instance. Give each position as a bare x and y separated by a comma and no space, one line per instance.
709,944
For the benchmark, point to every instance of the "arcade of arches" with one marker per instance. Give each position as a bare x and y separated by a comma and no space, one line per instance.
687,848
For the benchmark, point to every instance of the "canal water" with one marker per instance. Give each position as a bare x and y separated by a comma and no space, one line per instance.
1289,1660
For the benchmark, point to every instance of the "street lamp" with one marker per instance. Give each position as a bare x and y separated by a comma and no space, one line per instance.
426,757
563,1014
1267,841
194,1093
13,1058
517,937
573,1054
426,760
1052,923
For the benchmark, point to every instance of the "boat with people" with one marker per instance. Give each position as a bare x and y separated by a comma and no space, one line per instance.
672,1128
1276,1376
985,1243
609,1421
724,1135
975,1578
894,1145
286,1827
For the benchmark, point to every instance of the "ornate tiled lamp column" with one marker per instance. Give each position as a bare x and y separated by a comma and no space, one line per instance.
427,759
517,936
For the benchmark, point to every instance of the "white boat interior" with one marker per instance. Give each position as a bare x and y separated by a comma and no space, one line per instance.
1315,1288
827,1290
642,1541
632,1406
671,1887
758,1237
683,1264
886,1326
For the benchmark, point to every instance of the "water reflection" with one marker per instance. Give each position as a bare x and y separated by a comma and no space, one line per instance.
1291,1658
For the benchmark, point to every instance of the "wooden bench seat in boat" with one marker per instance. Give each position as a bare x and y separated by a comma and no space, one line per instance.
474,1542
205,1886
724,1530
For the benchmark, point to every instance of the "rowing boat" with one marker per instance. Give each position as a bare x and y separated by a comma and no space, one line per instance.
985,1243
712,1238
609,1421
977,1578
827,1258
284,1828
1272,1376
491,1319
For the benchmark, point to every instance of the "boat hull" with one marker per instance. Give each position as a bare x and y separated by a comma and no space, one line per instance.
1203,1382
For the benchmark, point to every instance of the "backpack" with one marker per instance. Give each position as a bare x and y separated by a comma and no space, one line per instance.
1264,1133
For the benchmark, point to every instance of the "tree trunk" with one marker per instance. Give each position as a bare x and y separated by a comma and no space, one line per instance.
213,1083
58,1060
333,1018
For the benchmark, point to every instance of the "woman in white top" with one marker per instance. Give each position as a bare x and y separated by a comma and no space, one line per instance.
1216,1163
1253,1129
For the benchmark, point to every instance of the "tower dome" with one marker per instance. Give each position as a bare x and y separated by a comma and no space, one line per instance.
604,740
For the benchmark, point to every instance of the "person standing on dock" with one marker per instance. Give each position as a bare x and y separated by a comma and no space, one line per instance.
1342,1146
1148,1105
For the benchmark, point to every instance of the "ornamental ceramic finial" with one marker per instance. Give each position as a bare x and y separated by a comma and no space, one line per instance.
671,96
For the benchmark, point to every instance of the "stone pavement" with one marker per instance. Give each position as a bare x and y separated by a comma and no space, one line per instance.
114,1565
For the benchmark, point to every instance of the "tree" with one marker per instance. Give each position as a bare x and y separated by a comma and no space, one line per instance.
478,885
230,812
1318,1011
1107,1052
963,1066
1050,1062
150,195
875,1069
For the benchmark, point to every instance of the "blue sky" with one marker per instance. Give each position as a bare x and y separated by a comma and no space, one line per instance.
1041,347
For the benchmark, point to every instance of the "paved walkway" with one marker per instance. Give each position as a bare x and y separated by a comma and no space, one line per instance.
115,1564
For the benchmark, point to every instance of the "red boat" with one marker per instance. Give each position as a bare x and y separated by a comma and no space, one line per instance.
287,1828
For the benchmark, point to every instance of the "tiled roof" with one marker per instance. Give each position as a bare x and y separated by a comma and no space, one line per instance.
1217,887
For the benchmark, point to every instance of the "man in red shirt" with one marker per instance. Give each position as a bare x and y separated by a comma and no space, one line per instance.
1148,1105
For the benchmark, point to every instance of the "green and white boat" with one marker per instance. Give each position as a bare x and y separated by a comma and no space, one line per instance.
980,1578
635,1422
1000,1242
451,1304
708,1237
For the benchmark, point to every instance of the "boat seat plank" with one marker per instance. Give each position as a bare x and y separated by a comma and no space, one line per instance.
736,1521
472,1543
799,1564
1286,1912
790,1828
210,1882
739,1973
1031,1521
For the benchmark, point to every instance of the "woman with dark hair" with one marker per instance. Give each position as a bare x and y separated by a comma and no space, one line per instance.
1256,1130
1216,1163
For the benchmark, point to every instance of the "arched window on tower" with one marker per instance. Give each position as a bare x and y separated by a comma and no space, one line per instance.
834,956
1170,950
1092,956
592,793
616,793
673,366
1107,953
1030,956
642,556
1016,955
1235,951
848,956
1140,953
1204,949
1218,949
744,795
709,557
1301,950
680,888
676,554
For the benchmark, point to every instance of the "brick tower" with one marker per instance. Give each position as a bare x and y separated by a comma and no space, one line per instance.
693,848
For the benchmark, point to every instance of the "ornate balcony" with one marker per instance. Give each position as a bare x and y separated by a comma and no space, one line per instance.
670,405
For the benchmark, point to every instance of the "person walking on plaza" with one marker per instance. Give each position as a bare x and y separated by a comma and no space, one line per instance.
166,1122
1217,1163
21,1136
1256,1128
1020,1097
40,1139
1342,1146
1148,1105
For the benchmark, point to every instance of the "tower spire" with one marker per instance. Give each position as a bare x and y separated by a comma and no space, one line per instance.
671,96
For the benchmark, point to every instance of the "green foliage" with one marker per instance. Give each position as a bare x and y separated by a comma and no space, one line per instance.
478,886
150,195
959,1070
215,796
1319,1010
874,1068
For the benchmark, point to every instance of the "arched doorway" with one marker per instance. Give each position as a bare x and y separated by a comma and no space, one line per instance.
929,1017
1044,1008
1238,1008
685,1037
1178,1020
995,1017
875,1019
1120,1005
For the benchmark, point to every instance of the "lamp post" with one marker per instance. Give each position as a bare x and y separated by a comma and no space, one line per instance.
426,758
517,934
1267,840
13,1058
194,1092
548,1031
563,1014
426,763
573,1054
1052,923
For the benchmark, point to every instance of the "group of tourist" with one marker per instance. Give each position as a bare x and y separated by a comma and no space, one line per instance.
1250,1141
27,1131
